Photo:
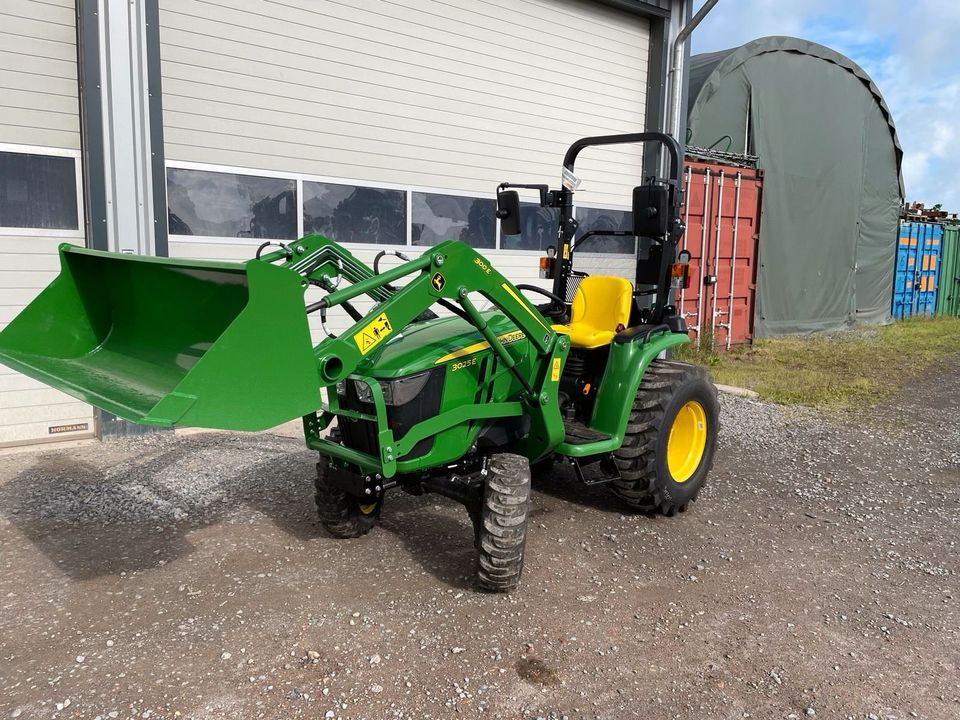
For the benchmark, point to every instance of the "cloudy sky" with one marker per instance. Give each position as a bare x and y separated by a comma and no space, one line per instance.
909,49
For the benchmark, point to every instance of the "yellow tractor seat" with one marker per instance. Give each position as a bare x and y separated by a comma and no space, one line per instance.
600,308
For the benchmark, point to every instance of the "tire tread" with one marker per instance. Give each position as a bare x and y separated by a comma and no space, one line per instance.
636,459
503,525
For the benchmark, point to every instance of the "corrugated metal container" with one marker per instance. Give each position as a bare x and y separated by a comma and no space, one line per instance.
948,294
917,269
722,214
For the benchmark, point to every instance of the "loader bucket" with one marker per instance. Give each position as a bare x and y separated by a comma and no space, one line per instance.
166,342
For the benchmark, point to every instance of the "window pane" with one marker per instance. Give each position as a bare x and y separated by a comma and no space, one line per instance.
538,229
450,217
227,205
38,191
597,219
347,213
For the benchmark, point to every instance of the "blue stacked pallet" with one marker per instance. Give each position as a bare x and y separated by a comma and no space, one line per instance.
918,268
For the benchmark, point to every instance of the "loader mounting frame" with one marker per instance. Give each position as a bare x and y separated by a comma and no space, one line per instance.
449,274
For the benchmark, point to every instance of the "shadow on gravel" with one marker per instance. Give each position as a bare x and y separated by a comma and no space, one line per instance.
92,521
437,533
561,482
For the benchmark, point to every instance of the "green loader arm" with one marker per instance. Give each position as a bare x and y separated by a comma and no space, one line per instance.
452,272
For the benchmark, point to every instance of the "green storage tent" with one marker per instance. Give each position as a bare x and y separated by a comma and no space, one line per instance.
948,294
832,185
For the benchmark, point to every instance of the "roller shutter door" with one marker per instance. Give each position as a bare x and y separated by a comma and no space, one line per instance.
437,99
40,202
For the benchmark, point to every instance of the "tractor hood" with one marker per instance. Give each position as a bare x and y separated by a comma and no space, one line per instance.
424,345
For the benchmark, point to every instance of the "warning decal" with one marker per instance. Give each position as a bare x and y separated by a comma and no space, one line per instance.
555,375
368,338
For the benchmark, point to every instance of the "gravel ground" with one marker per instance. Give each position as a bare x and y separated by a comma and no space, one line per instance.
186,577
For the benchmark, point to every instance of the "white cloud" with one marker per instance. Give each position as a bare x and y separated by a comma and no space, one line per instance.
907,47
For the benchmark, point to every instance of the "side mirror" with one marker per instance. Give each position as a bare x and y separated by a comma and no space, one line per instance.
651,210
508,211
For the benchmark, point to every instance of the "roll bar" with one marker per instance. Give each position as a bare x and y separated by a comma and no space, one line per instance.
568,223
668,141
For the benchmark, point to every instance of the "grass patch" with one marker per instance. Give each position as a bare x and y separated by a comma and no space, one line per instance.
838,370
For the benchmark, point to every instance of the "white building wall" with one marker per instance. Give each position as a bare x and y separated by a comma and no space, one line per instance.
452,97
456,95
39,113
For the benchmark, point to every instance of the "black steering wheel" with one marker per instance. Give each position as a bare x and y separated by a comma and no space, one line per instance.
534,288
556,310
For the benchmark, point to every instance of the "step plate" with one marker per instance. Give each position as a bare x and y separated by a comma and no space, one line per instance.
577,433
597,469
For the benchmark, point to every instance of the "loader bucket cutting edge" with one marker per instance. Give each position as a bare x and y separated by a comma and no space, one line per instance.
170,342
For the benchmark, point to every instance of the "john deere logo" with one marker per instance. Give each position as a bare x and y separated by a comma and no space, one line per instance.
438,282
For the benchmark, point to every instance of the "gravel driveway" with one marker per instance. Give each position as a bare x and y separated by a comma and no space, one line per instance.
186,577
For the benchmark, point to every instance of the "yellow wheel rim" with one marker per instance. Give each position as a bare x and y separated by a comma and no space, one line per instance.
687,441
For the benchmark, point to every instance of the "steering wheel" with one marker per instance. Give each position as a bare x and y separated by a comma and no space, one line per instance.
534,288
556,310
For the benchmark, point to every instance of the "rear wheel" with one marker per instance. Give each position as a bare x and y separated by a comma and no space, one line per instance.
502,533
670,441
341,514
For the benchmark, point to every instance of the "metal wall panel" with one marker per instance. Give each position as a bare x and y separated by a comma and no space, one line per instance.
450,97
917,269
456,96
39,112
38,74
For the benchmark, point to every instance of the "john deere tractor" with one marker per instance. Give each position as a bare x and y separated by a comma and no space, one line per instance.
428,391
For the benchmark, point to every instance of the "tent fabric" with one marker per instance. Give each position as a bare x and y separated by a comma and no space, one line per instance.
832,182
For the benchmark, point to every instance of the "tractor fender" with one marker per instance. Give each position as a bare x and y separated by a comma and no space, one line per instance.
625,369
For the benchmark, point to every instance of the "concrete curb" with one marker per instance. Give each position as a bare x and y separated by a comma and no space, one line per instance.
738,391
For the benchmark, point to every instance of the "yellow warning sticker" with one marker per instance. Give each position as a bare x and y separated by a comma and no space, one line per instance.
566,251
368,338
555,375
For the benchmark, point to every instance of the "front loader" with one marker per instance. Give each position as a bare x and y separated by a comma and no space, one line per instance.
454,382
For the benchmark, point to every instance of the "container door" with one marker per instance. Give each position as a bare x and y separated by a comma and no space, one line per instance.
722,213
696,213
948,289
929,268
903,281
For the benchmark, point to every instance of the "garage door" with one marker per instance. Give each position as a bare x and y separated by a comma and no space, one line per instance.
390,123
40,201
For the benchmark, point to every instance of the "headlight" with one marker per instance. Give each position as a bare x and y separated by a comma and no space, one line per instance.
403,390
363,392
395,392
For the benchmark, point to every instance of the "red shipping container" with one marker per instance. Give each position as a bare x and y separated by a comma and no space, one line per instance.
722,213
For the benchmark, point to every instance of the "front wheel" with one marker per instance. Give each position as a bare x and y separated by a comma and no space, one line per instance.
341,514
502,532
670,441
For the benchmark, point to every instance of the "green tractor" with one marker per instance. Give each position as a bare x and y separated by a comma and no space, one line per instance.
462,403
